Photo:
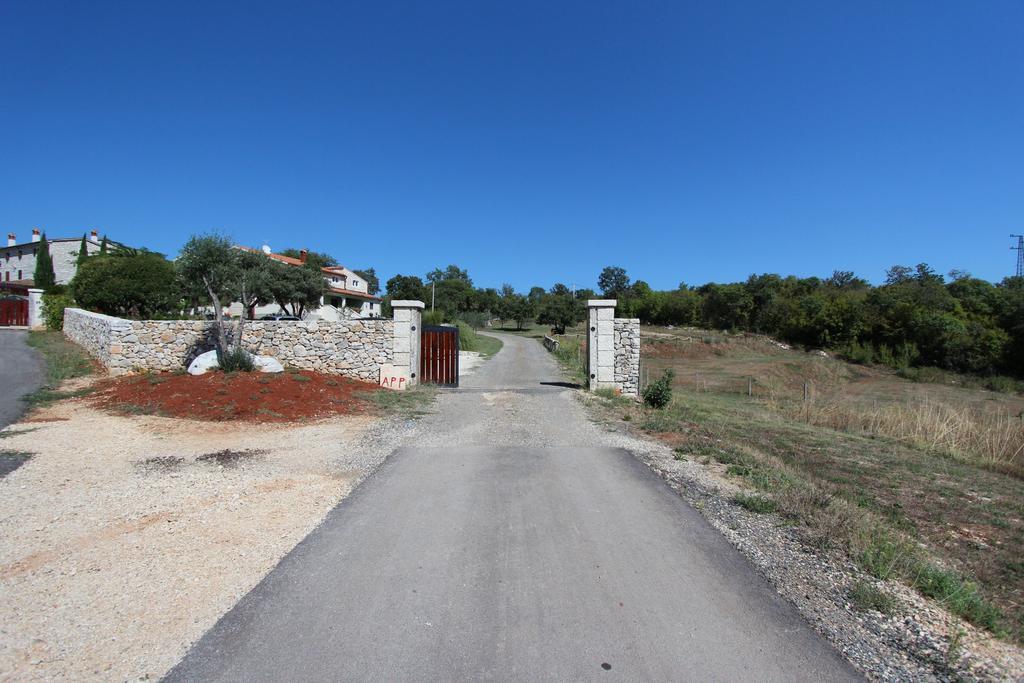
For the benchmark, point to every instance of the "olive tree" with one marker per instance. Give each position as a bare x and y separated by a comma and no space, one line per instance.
295,289
227,274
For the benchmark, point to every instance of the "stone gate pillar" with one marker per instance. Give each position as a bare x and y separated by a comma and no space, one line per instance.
601,343
408,317
35,309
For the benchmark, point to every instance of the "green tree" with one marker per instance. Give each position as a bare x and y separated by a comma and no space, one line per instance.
452,272
295,289
560,311
522,311
141,286
453,297
315,260
103,246
372,281
227,274
486,301
559,289
44,276
613,281
405,287
83,251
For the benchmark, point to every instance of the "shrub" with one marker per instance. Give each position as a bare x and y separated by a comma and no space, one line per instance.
658,393
866,596
433,317
137,286
235,360
53,309
758,504
475,319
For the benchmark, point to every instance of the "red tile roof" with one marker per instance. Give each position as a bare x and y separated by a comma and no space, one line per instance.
352,292
277,257
333,270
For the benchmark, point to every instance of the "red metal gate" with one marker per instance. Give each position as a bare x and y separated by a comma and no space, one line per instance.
13,306
439,355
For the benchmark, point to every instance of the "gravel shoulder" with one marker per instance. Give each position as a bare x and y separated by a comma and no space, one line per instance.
921,641
125,538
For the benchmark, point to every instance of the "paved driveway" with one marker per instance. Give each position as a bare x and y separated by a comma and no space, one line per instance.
21,372
509,541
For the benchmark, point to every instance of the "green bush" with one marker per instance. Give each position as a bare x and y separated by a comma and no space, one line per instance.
138,286
53,309
758,504
866,596
433,317
235,360
474,319
1004,385
658,393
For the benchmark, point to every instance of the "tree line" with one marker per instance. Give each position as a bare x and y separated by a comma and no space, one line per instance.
917,317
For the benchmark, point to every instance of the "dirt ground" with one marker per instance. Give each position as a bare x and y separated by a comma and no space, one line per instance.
126,537
250,396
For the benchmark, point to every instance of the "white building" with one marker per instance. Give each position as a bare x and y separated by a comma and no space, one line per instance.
346,294
18,260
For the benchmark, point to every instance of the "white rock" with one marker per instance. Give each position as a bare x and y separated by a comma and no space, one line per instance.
267,364
203,362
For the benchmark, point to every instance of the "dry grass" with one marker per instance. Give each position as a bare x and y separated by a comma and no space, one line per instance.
912,480
994,440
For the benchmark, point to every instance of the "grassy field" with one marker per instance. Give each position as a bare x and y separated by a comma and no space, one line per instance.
916,481
63,360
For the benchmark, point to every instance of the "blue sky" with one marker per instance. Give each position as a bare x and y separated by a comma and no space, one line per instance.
530,142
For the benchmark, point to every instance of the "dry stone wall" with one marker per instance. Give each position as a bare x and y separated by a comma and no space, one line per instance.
353,348
627,355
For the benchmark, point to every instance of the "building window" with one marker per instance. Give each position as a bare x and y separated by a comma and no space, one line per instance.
19,274
355,283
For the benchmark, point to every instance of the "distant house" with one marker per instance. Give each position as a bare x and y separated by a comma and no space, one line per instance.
345,291
18,260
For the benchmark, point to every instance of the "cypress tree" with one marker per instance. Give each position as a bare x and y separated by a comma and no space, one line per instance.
44,276
83,251
103,246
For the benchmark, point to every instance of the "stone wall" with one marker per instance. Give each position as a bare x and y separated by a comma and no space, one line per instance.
627,355
354,348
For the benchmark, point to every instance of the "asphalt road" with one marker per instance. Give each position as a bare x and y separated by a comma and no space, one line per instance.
21,372
508,541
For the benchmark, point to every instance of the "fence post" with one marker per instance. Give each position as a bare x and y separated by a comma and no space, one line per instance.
750,386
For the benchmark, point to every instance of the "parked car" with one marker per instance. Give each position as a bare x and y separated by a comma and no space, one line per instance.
278,317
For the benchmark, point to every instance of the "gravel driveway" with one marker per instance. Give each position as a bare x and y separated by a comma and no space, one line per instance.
126,538
511,539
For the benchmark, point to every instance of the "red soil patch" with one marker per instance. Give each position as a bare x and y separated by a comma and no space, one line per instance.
249,396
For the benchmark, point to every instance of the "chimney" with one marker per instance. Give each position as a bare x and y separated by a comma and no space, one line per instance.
35,234
302,255
95,236
11,239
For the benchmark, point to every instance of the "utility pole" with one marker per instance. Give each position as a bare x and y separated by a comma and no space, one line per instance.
1020,254
432,295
